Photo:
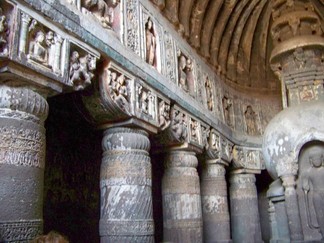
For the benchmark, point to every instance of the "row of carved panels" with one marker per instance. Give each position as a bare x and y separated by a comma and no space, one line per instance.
34,43
128,100
143,31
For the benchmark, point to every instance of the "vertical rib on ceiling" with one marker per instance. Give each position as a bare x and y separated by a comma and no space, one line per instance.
226,39
184,15
236,40
171,11
208,26
245,51
258,63
197,17
219,30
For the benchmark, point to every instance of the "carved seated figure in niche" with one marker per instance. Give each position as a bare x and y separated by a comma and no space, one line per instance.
150,43
102,9
81,69
312,181
37,49
4,31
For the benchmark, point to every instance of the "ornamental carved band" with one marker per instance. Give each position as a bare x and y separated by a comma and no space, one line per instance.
125,182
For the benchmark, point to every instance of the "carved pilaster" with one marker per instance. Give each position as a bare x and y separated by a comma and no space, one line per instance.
182,218
126,187
245,219
22,162
25,20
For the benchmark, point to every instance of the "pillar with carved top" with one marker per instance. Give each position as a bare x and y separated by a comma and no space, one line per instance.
182,217
214,203
245,219
126,187
22,162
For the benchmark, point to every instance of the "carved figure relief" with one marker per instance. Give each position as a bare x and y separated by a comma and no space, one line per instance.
185,73
164,115
81,70
4,32
312,179
103,10
37,48
228,109
118,89
194,131
179,125
209,94
205,131
306,93
251,121
145,101
150,43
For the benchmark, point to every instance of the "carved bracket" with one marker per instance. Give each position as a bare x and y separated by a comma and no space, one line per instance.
248,158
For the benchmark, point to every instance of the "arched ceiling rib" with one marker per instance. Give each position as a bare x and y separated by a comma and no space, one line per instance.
232,36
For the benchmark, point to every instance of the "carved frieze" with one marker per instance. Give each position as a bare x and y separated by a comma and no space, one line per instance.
247,158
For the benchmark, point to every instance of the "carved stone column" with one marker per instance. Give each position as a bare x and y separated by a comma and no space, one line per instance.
214,203
126,187
245,219
182,217
22,162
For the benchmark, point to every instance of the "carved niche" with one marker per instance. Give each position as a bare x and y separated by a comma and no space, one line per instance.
164,113
82,65
41,46
228,111
185,73
251,121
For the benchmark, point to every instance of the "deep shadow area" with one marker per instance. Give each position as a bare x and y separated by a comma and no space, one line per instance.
73,157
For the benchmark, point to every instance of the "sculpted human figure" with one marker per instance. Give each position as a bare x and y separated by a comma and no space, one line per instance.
312,184
194,130
150,43
102,9
227,106
3,33
209,94
37,50
164,117
179,127
50,43
182,73
250,120
122,93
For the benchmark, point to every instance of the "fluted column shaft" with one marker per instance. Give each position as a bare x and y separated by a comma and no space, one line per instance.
126,187
216,222
245,220
182,218
22,162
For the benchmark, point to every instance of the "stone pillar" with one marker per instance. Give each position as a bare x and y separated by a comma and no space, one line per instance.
277,213
22,162
216,222
245,219
182,217
126,187
24,21
292,208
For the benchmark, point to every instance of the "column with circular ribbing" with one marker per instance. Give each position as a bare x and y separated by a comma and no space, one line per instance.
216,221
22,162
126,187
245,219
182,217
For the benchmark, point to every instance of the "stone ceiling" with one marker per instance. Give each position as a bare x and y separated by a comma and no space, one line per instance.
233,36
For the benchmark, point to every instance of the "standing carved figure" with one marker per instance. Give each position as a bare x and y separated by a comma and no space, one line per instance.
179,126
250,120
227,107
164,117
183,82
150,43
312,184
209,94
122,94
50,43
3,33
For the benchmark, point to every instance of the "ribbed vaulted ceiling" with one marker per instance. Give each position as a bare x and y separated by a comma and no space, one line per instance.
232,35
